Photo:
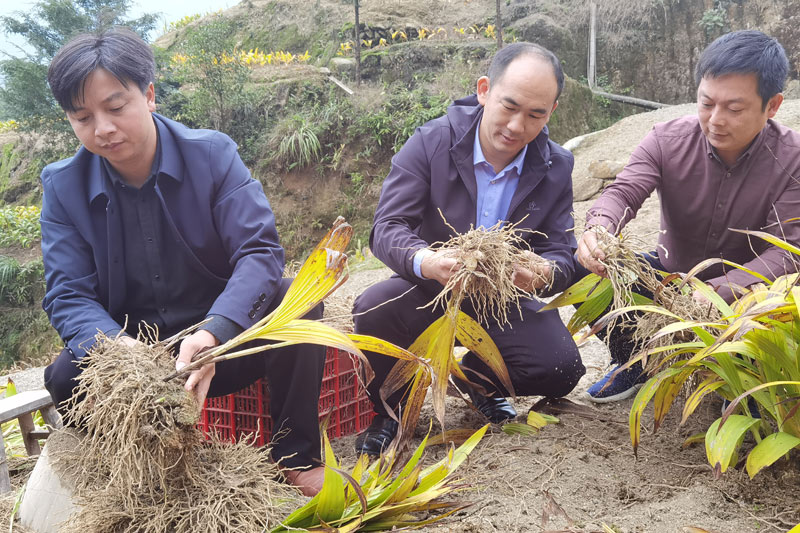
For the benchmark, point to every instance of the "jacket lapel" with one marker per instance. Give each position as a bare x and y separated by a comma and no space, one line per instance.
537,163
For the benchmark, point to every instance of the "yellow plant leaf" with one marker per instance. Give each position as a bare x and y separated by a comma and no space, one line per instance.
516,428
455,436
723,440
578,292
477,340
536,420
706,387
666,394
770,449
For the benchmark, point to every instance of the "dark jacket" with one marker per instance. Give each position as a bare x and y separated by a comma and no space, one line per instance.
434,170
218,212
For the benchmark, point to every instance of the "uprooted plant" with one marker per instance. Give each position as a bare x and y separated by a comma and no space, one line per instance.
487,260
620,297
384,495
142,465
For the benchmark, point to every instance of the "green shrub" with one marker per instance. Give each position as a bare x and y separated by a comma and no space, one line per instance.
21,284
401,114
27,336
19,225
298,144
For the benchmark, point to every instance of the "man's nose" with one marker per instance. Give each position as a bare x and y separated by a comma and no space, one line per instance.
103,125
516,124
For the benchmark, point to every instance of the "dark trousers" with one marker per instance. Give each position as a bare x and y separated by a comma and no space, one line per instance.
541,357
294,374
619,339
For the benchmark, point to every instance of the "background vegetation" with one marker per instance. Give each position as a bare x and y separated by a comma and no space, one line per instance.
261,74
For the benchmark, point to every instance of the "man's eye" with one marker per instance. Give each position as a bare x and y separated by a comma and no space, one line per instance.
117,109
82,120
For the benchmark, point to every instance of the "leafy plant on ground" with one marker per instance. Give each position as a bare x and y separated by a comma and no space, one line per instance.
19,225
20,284
401,114
298,144
750,354
371,498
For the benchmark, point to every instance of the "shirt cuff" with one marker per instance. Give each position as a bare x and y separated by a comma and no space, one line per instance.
419,255
224,329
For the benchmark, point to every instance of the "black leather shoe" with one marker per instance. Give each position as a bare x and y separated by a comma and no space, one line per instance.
377,436
497,410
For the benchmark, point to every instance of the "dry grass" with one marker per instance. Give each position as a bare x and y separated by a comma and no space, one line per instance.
143,466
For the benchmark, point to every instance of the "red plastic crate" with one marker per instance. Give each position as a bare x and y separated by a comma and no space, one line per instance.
245,414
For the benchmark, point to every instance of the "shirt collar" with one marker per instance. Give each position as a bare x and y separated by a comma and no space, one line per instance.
478,157
754,145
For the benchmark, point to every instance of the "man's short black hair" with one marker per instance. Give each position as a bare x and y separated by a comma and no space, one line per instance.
746,52
119,51
509,53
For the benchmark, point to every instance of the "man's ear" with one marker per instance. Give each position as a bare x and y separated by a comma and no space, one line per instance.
150,95
774,104
483,89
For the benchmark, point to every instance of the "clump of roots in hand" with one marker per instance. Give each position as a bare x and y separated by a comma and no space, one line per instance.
142,465
626,271
487,260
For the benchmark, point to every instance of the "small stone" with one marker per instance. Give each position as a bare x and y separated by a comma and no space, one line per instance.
604,169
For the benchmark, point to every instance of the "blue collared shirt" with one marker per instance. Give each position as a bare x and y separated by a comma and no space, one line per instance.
495,191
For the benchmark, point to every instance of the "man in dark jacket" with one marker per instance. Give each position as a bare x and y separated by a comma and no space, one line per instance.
488,160
154,223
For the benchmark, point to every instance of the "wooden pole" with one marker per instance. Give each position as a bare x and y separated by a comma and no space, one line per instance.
647,104
591,69
498,25
357,45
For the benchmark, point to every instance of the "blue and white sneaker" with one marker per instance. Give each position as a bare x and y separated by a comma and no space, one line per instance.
613,388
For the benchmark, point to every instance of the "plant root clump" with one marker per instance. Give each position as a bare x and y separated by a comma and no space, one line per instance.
142,464
626,271
648,326
488,260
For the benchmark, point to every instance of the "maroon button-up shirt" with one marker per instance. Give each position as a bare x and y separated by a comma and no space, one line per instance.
702,199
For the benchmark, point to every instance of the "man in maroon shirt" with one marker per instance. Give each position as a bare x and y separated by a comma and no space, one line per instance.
729,167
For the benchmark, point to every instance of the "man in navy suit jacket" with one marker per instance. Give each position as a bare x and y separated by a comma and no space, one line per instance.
155,223
488,159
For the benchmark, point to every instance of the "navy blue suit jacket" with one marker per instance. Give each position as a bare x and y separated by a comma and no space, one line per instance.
219,213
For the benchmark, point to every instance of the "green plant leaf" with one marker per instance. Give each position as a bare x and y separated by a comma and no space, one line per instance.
578,292
723,442
331,499
769,450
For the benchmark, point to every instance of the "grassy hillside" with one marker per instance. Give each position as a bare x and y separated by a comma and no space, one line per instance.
261,73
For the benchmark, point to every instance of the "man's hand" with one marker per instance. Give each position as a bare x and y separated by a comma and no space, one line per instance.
590,254
532,274
439,266
700,298
199,380
128,341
